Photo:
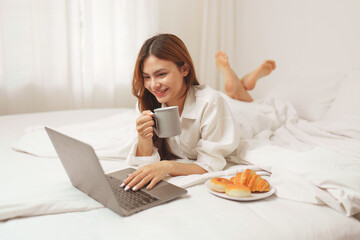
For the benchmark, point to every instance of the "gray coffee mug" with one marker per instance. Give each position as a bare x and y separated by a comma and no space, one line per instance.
167,122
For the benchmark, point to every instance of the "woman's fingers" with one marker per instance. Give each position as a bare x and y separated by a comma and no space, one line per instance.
152,173
137,181
127,180
132,179
153,182
142,183
144,124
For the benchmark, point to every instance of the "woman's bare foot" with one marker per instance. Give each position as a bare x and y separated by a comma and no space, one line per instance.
234,87
250,79
222,63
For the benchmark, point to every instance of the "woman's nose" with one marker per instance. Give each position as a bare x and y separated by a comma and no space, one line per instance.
155,84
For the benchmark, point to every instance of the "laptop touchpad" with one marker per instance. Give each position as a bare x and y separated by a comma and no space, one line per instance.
164,190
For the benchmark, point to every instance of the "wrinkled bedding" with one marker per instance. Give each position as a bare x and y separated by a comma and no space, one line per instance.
41,202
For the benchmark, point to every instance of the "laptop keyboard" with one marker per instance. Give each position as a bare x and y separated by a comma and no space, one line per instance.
129,199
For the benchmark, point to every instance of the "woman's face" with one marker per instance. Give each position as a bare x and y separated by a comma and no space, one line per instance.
164,80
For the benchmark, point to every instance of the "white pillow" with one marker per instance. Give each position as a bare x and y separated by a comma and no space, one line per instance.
310,95
347,101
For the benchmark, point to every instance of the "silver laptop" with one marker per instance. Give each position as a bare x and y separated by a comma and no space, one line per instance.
85,172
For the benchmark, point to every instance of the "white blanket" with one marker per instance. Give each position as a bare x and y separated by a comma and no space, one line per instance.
110,137
57,195
313,162
47,198
274,121
308,172
318,176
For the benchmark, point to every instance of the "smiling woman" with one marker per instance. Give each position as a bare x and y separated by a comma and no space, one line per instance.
164,73
164,76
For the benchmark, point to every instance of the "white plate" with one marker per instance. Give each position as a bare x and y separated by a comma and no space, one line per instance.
253,196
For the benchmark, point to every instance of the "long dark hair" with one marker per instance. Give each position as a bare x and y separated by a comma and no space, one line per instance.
166,47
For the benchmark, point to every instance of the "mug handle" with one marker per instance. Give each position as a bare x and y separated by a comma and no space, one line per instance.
156,125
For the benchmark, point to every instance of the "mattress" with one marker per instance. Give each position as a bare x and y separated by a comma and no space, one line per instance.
37,200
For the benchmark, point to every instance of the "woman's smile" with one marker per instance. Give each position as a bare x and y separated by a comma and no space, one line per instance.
160,93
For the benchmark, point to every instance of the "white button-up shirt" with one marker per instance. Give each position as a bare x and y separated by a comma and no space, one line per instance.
209,133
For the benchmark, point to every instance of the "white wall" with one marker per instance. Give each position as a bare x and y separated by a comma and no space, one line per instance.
310,37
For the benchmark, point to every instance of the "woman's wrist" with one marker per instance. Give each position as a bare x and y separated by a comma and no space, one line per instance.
144,147
169,165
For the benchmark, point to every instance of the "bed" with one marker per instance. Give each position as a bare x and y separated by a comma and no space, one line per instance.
311,154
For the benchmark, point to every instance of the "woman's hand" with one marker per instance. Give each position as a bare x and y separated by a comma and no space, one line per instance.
144,127
152,173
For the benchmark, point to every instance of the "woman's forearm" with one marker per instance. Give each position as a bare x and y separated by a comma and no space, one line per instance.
178,169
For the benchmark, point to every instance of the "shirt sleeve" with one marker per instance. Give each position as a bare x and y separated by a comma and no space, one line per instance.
134,160
219,135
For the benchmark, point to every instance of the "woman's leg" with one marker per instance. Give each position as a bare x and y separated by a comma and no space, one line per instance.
238,88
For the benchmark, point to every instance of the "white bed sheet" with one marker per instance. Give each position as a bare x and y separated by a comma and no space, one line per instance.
198,215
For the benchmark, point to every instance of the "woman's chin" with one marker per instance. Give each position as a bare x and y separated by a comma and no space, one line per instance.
161,99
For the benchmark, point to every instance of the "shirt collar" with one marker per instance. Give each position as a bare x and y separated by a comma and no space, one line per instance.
189,110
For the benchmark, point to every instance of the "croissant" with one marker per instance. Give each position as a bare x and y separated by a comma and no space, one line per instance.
253,181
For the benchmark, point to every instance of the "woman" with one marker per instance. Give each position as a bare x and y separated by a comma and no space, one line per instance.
164,75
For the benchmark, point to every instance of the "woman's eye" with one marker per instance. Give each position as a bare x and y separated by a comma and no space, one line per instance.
162,74
146,77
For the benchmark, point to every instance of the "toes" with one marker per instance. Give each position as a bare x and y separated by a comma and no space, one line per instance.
220,54
224,55
270,63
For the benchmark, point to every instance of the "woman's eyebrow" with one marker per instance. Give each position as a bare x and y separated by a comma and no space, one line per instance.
156,72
